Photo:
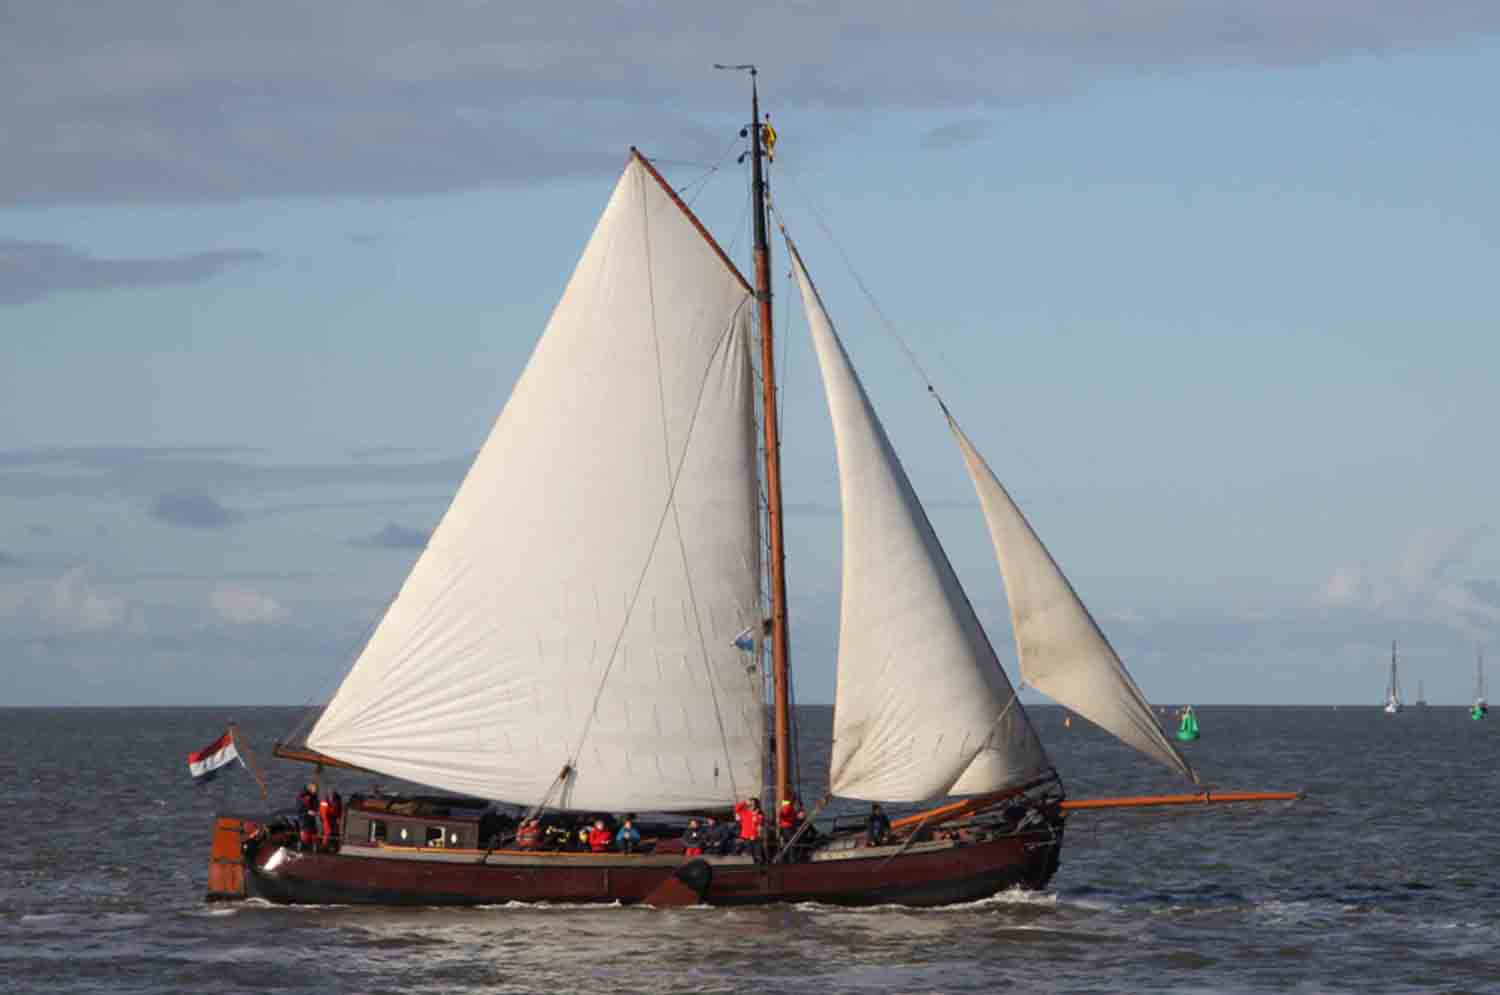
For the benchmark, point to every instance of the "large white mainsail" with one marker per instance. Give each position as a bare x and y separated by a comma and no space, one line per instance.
579,601
921,697
1062,651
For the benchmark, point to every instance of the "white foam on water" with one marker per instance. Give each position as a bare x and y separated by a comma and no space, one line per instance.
1006,899
514,906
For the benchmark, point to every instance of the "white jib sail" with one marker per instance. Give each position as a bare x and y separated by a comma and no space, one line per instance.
921,697
1062,652
579,601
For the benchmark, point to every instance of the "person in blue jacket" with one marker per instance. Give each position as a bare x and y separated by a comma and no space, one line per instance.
628,837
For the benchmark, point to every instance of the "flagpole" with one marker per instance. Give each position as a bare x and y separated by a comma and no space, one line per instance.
244,751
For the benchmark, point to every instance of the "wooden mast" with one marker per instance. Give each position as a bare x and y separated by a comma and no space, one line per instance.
780,637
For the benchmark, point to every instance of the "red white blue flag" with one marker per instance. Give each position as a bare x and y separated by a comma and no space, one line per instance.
206,763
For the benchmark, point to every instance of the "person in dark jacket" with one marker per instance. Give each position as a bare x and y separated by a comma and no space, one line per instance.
693,839
877,826
718,836
307,831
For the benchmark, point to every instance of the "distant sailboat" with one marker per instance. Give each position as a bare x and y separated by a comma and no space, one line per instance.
1393,686
1481,706
1421,701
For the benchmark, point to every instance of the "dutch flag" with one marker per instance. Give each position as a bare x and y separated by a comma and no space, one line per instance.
205,764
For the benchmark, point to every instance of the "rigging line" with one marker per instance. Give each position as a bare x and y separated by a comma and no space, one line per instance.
1015,699
693,593
795,731
703,180
669,509
890,326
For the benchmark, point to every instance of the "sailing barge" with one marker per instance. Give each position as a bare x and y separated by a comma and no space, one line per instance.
600,597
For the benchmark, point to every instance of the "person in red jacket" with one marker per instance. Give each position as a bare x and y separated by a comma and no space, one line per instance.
752,828
786,819
529,836
331,818
600,838
325,821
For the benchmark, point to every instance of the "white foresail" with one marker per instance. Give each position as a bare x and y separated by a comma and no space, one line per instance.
1062,651
579,601
921,697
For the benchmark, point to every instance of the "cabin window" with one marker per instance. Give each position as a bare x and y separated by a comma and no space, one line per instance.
434,835
377,831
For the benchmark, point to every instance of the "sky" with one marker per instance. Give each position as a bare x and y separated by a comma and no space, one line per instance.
1208,283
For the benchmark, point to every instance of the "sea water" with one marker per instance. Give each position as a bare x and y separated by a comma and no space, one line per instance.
1381,880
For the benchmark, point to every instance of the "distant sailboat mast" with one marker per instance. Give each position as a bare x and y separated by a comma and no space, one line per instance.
1481,706
1393,688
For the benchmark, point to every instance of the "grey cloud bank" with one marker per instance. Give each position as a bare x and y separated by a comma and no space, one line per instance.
29,270
395,536
193,510
149,472
185,101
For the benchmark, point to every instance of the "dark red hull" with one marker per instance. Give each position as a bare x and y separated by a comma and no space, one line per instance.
923,875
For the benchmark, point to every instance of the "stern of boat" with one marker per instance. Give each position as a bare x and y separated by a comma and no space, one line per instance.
226,858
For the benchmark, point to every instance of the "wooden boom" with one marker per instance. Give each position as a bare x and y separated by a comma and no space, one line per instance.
969,806
312,757
1199,798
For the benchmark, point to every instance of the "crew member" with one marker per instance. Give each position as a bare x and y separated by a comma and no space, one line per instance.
693,839
752,828
599,837
307,831
336,820
529,836
325,822
786,820
628,836
877,826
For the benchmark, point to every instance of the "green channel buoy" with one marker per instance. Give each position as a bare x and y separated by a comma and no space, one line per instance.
1187,729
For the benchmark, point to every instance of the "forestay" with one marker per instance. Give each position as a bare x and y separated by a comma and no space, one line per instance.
579,601
921,698
1062,651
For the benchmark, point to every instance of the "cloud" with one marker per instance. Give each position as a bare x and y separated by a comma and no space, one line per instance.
395,536
239,605
146,472
182,100
29,270
957,133
41,530
192,510
71,604
10,560
1420,585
